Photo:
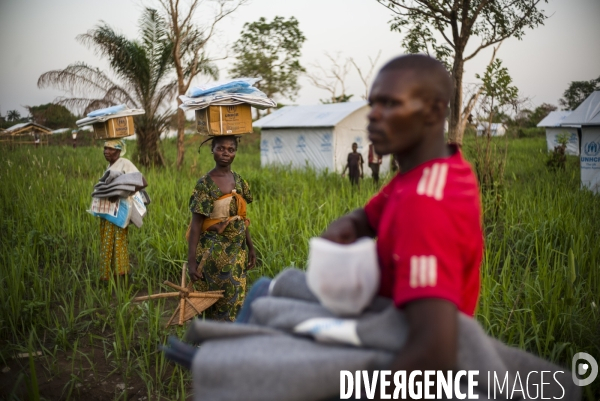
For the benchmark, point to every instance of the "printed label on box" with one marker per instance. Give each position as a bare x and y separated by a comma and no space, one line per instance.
104,206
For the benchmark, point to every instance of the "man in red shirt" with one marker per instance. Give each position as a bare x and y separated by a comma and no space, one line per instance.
427,220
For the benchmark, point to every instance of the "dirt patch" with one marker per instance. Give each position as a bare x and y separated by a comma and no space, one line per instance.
71,376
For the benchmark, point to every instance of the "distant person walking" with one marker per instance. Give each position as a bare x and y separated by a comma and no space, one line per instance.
374,163
354,165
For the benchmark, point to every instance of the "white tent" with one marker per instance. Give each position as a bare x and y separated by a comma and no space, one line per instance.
496,129
587,115
319,136
552,122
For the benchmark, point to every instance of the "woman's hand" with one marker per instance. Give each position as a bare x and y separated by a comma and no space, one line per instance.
251,252
195,275
251,258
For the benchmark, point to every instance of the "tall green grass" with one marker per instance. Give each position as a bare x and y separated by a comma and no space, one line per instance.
540,277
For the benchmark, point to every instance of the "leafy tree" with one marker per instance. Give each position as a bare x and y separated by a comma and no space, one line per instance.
539,113
577,92
490,160
13,115
271,51
497,90
456,21
142,67
52,115
189,42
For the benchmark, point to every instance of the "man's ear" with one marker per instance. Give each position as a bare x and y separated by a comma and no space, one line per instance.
435,111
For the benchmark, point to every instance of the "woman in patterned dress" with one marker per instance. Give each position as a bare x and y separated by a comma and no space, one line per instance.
219,239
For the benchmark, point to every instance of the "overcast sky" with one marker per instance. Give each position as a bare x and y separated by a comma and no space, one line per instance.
39,35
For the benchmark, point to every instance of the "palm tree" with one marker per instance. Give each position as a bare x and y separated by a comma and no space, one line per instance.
13,115
142,68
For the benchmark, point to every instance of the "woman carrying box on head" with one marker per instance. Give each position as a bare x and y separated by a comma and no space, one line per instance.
220,249
114,257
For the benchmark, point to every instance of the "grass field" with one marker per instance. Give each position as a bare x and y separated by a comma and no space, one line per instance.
540,276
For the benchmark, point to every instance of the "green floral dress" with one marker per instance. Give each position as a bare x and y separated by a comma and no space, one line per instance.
227,259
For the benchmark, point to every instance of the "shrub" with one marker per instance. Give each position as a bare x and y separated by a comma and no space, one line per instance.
558,158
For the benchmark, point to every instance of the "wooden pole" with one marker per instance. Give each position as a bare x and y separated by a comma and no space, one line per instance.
156,296
193,306
181,311
176,287
173,316
204,295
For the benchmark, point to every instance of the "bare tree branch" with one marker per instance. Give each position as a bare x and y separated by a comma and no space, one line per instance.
329,78
366,78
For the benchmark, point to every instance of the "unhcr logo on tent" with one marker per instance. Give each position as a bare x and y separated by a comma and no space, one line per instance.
278,145
359,141
326,144
264,146
592,148
301,145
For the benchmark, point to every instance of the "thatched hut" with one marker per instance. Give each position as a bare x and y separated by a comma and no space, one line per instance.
26,133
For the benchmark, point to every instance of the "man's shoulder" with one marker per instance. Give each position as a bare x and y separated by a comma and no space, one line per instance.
448,179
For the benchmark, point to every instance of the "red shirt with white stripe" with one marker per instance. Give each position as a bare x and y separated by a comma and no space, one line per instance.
430,242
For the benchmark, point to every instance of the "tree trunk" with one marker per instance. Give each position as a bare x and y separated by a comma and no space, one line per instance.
180,135
148,149
456,128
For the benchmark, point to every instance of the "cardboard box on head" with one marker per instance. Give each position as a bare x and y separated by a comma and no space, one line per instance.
224,120
119,127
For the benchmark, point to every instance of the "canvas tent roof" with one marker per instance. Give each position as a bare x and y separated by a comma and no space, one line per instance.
17,128
588,112
554,119
319,115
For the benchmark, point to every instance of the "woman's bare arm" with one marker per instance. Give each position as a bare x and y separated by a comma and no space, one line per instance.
251,251
196,227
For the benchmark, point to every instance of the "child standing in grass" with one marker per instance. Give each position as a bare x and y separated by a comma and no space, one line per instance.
427,220
354,165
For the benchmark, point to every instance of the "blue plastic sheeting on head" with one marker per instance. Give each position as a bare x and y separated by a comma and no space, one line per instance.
238,85
232,87
107,111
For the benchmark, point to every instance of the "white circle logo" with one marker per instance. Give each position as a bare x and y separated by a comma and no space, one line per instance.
583,369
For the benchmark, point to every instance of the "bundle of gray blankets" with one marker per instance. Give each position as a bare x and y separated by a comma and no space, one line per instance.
123,185
292,348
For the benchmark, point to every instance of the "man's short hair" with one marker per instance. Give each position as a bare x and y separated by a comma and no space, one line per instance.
432,74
